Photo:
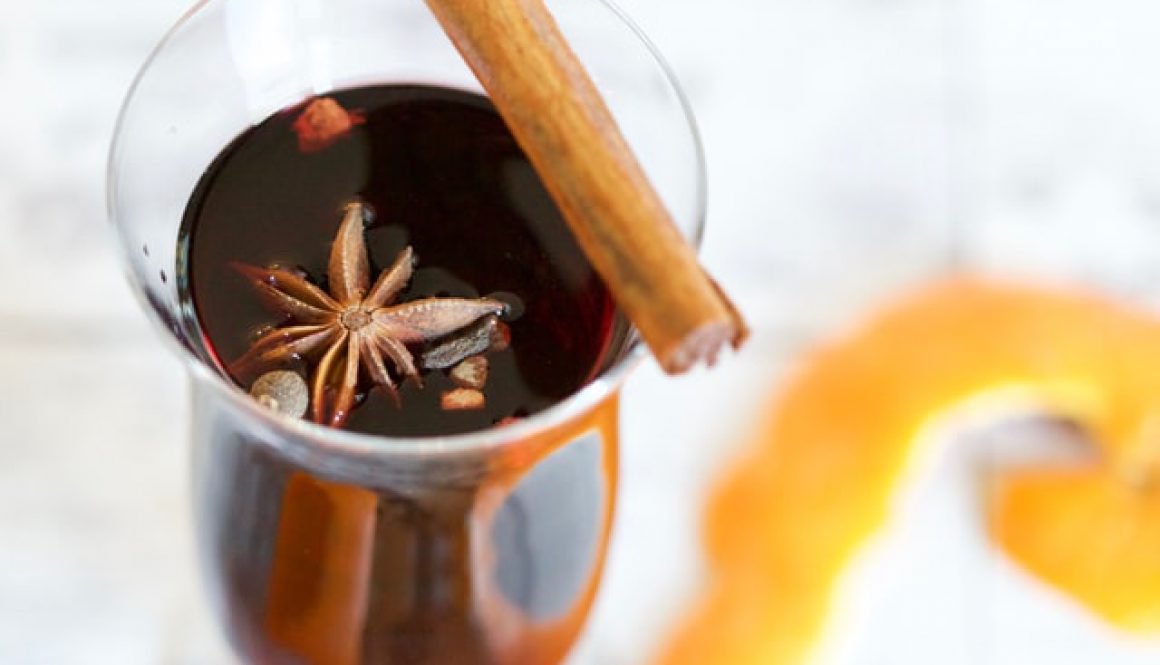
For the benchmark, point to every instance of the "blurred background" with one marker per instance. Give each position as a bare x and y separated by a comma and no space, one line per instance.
855,147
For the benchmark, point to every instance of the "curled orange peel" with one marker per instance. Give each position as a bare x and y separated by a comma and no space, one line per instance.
818,482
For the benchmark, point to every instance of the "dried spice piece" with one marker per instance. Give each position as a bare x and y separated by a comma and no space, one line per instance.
487,335
283,391
471,373
322,123
501,337
353,326
463,399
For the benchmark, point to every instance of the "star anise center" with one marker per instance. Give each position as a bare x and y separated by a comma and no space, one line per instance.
353,328
355,318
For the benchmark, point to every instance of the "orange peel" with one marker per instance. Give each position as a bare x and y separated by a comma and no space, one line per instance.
819,479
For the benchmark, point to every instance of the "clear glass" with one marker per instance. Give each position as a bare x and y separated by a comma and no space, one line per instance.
323,546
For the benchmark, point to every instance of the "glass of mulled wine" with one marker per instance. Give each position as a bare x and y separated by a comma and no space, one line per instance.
395,520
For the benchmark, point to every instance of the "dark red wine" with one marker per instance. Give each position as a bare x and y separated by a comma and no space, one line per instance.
490,556
442,174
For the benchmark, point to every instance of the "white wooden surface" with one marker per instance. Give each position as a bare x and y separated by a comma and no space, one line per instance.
855,146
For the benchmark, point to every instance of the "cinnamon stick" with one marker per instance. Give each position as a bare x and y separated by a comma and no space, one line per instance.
560,120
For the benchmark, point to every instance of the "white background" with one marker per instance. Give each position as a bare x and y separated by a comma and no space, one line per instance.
855,146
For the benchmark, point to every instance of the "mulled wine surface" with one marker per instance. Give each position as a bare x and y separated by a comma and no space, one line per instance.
442,174
491,557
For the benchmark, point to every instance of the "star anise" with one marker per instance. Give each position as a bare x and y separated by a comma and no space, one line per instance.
354,325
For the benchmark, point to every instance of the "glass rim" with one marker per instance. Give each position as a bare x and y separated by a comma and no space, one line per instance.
585,399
